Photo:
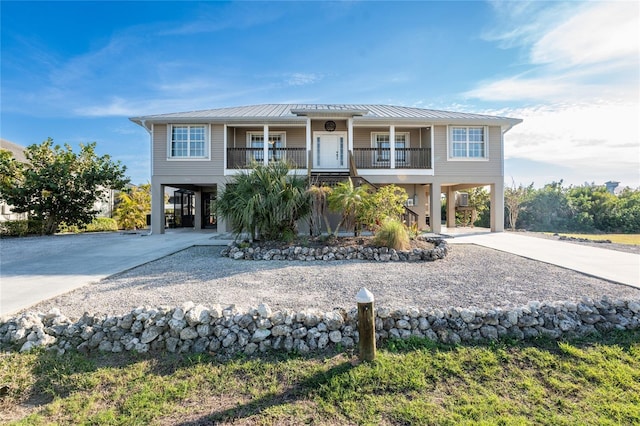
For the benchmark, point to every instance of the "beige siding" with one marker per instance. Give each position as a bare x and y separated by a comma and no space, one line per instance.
318,125
162,166
468,168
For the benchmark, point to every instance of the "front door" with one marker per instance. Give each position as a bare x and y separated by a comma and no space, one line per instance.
330,150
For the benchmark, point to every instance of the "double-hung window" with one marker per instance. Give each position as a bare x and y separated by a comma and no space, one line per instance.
381,143
188,141
467,142
255,141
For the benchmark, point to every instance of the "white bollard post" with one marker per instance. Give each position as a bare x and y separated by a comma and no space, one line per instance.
366,325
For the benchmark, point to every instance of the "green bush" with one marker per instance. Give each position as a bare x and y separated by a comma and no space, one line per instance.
393,234
20,228
98,224
14,228
63,228
102,224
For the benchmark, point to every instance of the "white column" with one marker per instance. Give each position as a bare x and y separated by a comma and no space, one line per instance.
433,164
197,206
392,146
265,146
222,223
350,134
224,145
497,207
435,204
157,208
451,207
309,146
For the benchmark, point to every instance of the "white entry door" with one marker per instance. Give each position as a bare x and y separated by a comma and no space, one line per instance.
330,150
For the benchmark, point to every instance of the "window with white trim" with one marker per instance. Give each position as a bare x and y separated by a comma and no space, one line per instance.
188,141
467,142
381,143
255,140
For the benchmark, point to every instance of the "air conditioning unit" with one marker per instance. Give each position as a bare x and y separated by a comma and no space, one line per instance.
462,199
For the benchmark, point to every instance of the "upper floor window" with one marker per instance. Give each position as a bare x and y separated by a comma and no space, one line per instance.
188,141
255,140
467,142
381,142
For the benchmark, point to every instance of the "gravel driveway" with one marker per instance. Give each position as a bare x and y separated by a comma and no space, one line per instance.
469,276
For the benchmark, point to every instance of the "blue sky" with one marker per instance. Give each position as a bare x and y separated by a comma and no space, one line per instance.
75,71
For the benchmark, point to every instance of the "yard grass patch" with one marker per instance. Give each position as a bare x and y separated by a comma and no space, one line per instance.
630,239
594,381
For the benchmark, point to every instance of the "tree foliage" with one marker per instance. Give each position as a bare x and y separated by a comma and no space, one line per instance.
585,208
265,202
350,200
514,199
134,204
318,199
387,202
56,185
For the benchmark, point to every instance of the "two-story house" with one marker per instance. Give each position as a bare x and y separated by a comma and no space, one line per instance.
429,153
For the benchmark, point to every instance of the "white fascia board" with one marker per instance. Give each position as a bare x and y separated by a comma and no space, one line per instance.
395,172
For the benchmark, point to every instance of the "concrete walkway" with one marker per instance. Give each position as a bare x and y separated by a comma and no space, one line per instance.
33,269
611,265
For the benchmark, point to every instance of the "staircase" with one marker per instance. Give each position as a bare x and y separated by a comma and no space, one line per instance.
327,178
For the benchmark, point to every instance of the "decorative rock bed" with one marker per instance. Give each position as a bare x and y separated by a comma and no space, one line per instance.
236,251
195,328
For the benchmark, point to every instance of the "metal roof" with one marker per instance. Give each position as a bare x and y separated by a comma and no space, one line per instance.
15,149
295,112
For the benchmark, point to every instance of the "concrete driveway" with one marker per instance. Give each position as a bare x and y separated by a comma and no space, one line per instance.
616,266
33,269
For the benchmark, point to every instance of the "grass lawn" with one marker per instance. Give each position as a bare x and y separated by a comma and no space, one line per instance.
594,381
631,239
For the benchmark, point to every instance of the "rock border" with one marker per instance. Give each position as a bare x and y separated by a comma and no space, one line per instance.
236,251
226,332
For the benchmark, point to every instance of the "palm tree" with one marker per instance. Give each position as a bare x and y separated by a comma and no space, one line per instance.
350,200
318,199
265,202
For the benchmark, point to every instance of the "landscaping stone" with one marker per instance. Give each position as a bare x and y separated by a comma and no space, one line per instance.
195,328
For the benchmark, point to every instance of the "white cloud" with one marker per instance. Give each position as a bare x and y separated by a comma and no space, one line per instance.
599,139
582,85
302,79
601,33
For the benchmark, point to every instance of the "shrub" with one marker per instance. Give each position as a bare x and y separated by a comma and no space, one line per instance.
102,224
14,228
98,224
20,228
393,234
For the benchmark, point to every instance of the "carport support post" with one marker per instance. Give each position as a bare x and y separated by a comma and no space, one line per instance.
366,325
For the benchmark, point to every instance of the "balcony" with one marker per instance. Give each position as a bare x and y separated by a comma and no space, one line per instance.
406,158
242,158
365,158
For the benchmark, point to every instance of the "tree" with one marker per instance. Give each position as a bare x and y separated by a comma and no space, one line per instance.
134,204
318,199
478,201
265,202
350,200
514,199
386,203
56,185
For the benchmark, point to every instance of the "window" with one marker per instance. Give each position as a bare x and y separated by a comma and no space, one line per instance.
467,142
255,141
188,141
383,147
